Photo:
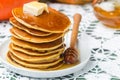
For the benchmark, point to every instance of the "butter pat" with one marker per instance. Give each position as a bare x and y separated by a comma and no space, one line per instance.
35,8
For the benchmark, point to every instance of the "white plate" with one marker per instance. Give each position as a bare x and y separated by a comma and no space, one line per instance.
84,57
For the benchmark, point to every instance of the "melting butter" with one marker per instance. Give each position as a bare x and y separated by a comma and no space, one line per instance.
35,8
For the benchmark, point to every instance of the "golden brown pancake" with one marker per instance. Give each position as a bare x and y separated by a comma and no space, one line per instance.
54,21
38,46
35,53
36,65
36,59
20,34
15,23
11,61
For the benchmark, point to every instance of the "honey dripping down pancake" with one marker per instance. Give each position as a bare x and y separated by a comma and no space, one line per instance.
34,32
54,21
36,65
38,46
20,34
35,53
36,59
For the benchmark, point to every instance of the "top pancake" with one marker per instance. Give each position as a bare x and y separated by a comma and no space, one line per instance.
54,21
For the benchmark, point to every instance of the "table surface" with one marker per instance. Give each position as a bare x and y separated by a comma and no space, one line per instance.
104,63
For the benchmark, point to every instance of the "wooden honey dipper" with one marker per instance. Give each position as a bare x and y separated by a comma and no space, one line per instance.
71,55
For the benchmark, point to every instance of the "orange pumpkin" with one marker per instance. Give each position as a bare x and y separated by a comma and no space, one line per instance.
6,7
74,1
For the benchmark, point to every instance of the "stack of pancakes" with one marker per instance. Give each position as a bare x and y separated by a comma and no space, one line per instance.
37,42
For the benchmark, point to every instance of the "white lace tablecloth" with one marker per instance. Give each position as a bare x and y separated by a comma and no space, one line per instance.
104,63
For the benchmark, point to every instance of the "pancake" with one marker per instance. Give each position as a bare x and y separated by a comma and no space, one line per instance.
38,46
11,61
20,34
35,53
36,59
36,65
54,21
15,23
37,42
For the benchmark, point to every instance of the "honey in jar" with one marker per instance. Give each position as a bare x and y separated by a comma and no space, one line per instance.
108,12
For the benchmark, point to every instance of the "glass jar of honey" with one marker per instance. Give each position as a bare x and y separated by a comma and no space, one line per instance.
108,12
